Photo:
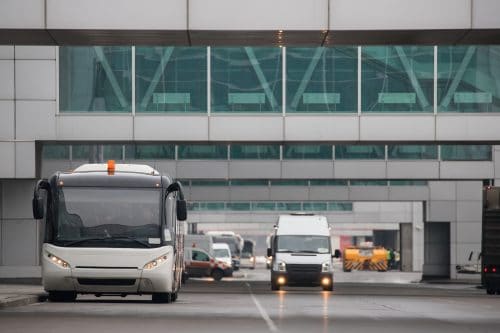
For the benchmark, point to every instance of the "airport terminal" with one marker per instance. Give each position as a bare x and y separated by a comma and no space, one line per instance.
383,116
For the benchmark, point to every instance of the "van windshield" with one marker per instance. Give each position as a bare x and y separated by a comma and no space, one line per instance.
221,253
303,243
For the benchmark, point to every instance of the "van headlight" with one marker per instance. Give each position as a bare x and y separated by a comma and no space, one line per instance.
326,267
280,266
58,261
157,262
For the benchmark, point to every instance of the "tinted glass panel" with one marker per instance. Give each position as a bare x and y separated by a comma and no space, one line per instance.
205,152
303,152
171,79
285,206
322,79
55,152
412,152
356,152
397,78
328,182
368,182
150,152
466,153
314,206
246,79
259,152
97,78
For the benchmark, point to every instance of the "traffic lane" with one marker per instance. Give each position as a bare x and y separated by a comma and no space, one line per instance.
252,307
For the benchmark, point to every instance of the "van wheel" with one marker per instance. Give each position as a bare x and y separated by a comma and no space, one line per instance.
217,274
62,296
274,286
490,291
162,298
328,288
174,297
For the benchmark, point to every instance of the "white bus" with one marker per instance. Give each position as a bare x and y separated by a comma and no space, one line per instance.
111,230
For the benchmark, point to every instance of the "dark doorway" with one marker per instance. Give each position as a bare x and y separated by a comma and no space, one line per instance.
436,250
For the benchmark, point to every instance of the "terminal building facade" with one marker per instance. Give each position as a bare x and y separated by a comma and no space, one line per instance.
384,119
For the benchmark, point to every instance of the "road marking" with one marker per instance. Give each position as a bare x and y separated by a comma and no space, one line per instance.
263,312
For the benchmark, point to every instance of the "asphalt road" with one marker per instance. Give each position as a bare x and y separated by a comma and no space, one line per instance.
244,306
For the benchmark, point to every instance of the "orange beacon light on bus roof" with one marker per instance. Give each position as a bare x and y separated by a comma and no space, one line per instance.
111,167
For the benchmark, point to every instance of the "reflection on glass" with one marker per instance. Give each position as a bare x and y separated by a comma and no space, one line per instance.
468,78
303,152
246,79
97,78
55,152
368,182
357,152
412,152
466,153
397,78
150,152
171,79
202,152
257,152
322,79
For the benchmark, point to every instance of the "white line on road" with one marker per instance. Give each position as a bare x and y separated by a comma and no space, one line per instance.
263,312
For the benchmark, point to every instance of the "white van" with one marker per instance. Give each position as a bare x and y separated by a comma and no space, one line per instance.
301,251
222,253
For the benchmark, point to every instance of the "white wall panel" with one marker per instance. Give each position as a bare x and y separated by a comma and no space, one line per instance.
117,14
6,120
442,211
298,193
375,193
17,196
329,193
466,170
6,79
319,128
185,128
397,128
25,159
469,211
399,14
36,120
112,127
413,193
445,190
258,14
255,193
248,128
307,169
360,169
6,52
197,169
485,14
470,190
413,169
36,79
35,52
209,193
468,127
7,167
254,169
469,232
22,14
12,232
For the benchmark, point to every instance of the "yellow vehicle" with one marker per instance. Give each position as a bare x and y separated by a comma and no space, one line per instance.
365,258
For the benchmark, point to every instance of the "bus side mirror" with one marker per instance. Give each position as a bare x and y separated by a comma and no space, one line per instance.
337,254
181,210
37,202
269,252
38,208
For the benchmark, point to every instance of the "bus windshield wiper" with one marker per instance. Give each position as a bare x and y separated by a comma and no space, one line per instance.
80,241
305,251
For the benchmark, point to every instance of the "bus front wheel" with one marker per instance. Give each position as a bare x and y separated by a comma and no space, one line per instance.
162,298
62,296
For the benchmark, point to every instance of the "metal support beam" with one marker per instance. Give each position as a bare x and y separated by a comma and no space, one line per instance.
156,78
261,76
424,103
111,76
307,76
458,77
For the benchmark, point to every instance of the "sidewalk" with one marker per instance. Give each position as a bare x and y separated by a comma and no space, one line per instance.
12,294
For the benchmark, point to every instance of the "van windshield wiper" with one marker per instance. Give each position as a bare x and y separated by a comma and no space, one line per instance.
80,241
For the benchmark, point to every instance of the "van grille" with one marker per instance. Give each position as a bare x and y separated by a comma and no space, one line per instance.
299,268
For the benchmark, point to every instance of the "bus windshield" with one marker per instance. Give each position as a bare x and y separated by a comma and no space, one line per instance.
302,243
108,217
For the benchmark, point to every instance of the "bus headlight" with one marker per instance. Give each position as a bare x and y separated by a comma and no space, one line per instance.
157,262
280,266
325,267
58,261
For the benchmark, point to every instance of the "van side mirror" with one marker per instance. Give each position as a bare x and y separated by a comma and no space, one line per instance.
337,254
269,252
181,210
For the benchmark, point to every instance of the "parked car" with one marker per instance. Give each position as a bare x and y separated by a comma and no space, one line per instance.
198,263
222,252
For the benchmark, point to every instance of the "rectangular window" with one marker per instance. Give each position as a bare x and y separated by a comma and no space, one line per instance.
112,152
263,206
238,206
150,152
209,182
468,78
249,182
304,152
202,152
246,79
466,153
208,206
413,152
289,206
360,152
340,206
256,152
55,152
328,182
289,182
322,79
171,79
402,182
314,206
95,79
397,78
82,152
368,182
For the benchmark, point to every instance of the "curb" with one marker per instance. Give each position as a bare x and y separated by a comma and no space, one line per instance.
22,300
